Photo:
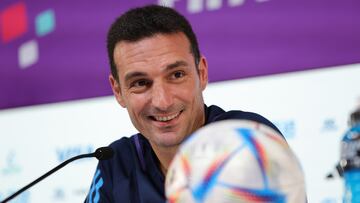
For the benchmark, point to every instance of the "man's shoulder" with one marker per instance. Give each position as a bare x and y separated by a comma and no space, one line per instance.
122,142
124,155
124,147
215,113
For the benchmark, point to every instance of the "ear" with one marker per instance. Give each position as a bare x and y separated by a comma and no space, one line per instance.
203,72
115,86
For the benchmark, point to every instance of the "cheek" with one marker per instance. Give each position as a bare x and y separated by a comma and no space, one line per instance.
190,97
136,103
190,89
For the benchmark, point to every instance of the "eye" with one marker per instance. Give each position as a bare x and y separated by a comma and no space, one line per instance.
178,74
140,83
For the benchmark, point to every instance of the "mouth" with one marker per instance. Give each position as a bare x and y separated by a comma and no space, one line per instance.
166,118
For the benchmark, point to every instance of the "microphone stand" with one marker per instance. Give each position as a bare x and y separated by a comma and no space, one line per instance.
47,174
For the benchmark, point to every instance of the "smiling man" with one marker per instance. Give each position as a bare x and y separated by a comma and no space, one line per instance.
158,75
161,87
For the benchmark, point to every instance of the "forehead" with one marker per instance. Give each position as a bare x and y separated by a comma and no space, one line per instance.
156,51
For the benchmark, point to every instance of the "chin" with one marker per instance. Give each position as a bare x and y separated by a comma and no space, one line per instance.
170,140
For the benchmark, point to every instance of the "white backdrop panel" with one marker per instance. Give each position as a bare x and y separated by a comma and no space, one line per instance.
310,108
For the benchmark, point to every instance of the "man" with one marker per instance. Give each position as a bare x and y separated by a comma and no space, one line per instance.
158,75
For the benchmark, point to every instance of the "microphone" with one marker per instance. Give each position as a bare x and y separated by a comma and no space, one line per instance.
101,153
339,170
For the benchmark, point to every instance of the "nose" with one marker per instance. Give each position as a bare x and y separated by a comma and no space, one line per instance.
162,98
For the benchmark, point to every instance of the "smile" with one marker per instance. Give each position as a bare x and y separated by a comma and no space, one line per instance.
166,118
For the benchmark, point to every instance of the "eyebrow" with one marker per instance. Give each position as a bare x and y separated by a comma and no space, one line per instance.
134,75
169,67
175,65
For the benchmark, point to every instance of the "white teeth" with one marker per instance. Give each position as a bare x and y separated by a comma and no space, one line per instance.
165,118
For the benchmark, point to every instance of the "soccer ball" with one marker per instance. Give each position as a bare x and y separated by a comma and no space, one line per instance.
235,161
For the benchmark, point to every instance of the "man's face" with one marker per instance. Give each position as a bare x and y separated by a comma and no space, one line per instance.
160,87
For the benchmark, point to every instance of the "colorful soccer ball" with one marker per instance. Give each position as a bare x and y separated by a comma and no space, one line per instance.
235,161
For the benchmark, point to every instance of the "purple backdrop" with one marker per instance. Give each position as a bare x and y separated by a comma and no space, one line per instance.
250,39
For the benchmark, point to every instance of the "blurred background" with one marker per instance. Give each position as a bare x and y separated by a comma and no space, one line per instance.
295,62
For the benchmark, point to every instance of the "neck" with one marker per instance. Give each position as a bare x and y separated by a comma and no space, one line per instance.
165,155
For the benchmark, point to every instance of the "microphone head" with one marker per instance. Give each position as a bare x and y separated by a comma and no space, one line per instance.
104,153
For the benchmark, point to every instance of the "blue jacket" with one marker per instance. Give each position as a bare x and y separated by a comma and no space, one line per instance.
133,175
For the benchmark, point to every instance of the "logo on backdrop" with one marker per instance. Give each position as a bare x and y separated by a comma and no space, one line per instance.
22,198
67,152
63,194
330,200
329,124
287,128
11,166
14,24
59,194
197,6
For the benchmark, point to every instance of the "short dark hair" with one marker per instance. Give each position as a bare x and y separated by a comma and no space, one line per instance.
142,22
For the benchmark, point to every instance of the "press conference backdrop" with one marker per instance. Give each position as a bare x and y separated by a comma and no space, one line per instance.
297,63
